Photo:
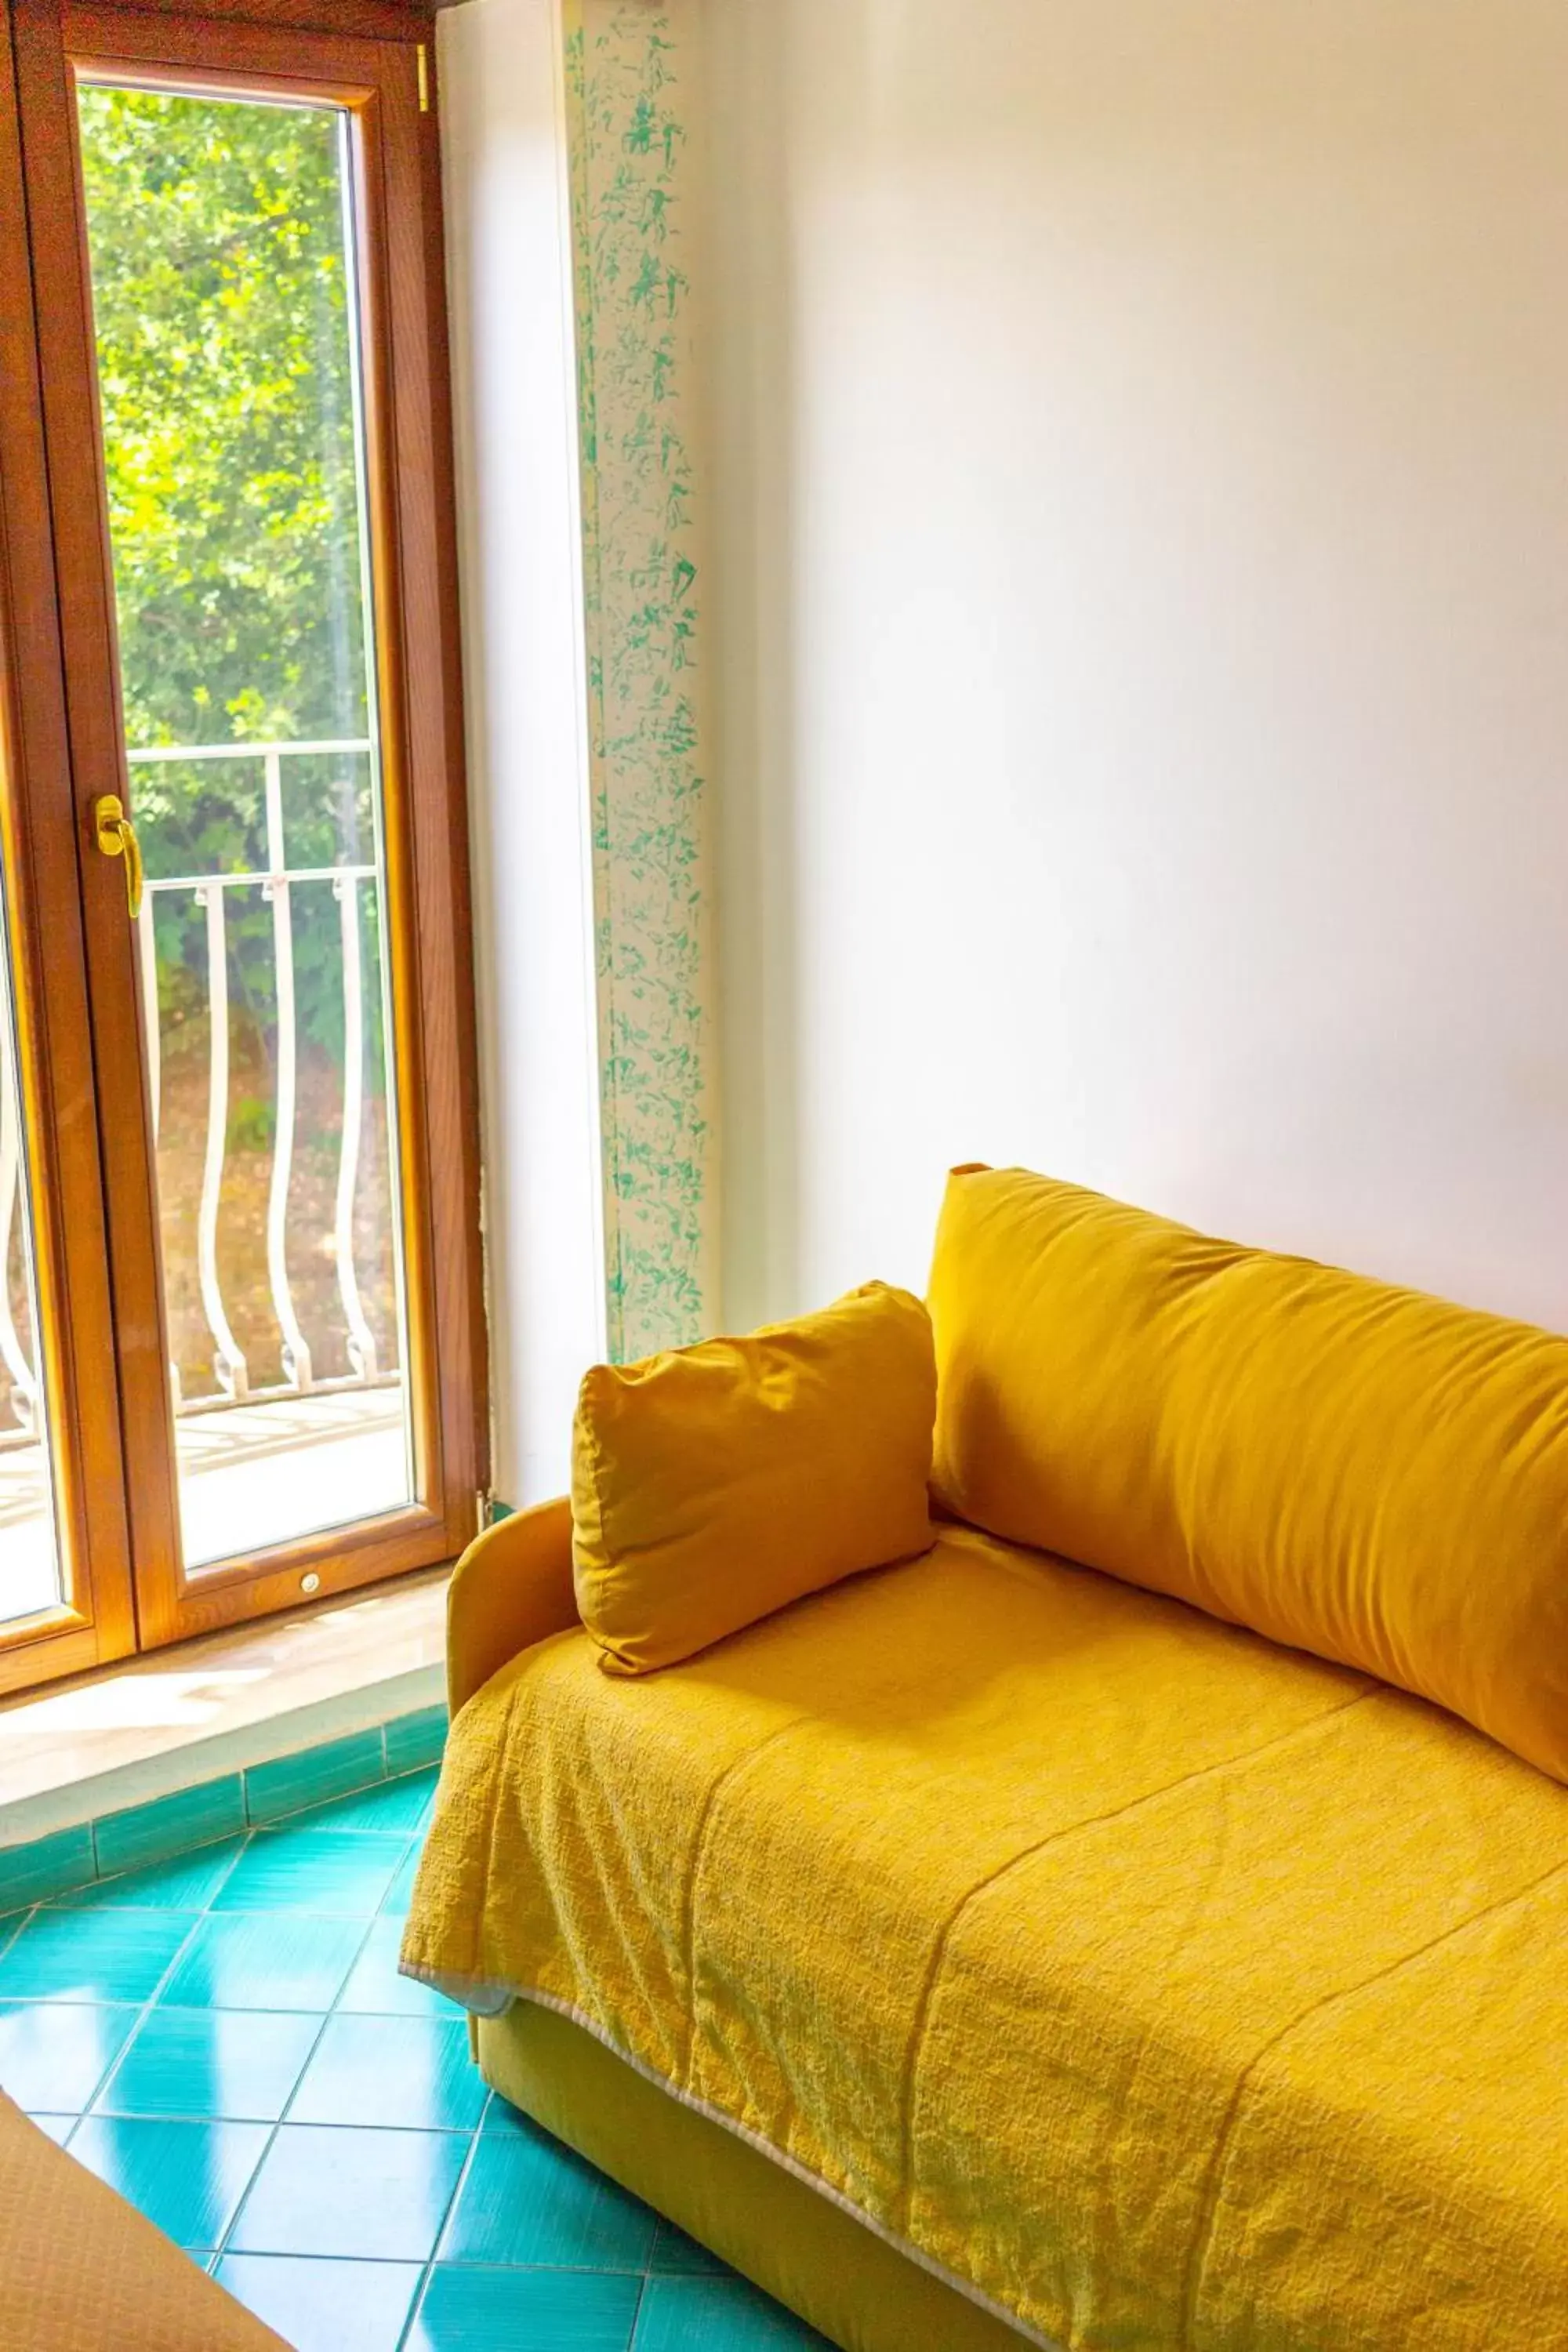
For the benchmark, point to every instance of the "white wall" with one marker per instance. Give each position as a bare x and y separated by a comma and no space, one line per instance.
503,138
1143,496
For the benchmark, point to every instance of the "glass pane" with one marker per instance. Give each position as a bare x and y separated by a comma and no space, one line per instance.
221,234
29,1569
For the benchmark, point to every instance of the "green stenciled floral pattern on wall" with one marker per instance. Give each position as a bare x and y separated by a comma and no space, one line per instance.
631,203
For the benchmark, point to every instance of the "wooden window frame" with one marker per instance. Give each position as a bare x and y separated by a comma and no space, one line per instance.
63,1197
377,71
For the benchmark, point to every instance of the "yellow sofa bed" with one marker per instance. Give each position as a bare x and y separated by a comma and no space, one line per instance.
988,1949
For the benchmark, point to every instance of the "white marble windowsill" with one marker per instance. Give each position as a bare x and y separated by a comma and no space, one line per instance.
154,1725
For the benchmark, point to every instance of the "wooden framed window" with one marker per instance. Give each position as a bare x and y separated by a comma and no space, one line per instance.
66,1601
241,427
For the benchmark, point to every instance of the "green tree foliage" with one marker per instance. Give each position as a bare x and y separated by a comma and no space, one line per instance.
220,304
224,326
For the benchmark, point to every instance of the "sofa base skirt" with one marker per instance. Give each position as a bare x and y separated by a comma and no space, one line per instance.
859,2292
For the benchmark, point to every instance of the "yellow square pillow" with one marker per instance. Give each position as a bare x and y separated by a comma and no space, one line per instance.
713,1484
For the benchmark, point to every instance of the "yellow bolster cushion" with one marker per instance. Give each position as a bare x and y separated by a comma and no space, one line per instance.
1365,1472
713,1484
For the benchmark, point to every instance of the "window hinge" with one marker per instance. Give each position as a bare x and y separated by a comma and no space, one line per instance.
423,56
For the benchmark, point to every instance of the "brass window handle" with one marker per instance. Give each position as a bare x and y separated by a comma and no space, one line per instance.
117,838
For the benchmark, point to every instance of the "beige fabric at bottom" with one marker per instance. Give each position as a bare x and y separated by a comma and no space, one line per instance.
80,2270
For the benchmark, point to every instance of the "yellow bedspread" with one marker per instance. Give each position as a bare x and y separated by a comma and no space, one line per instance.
1161,1987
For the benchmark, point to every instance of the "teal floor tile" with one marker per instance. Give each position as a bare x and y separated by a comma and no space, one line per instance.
186,1884
169,1826
410,2071
376,1990
101,1956
58,2128
501,2115
266,1959
291,1782
529,2200
234,2064
525,2311
675,2255
270,1961
369,2196
400,1893
324,2306
42,1867
54,2055
188,2178
330,1873
393,1809
718,2314
415,1740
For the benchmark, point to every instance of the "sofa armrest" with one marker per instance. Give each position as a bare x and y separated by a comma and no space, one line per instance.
512,1587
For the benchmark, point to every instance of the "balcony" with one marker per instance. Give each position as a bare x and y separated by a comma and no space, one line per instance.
272,1104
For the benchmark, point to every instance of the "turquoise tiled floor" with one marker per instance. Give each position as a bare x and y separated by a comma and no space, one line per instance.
226,2039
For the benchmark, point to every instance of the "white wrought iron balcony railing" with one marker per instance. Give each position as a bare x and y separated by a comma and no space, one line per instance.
210,892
